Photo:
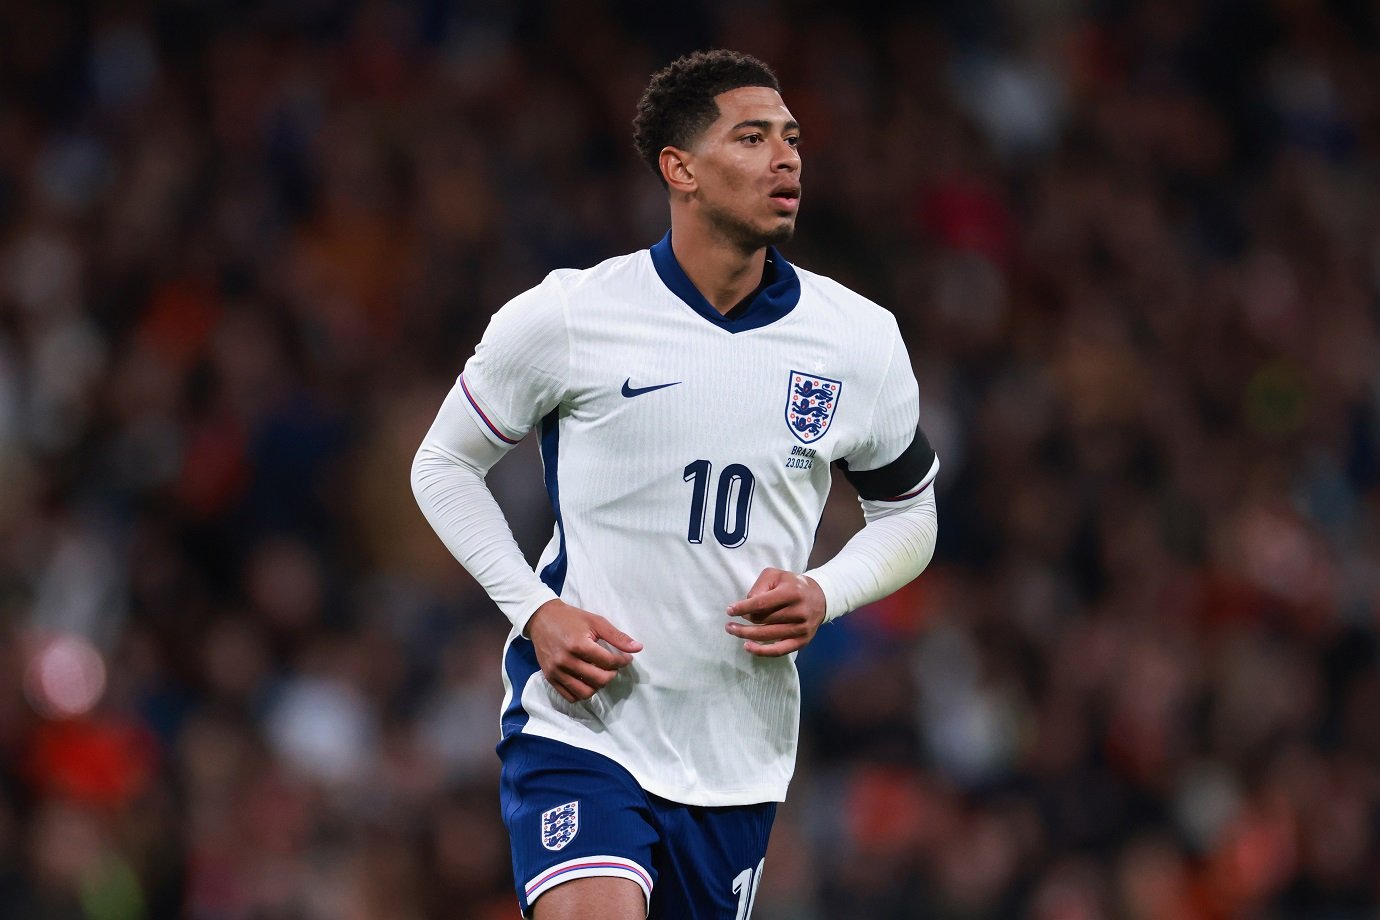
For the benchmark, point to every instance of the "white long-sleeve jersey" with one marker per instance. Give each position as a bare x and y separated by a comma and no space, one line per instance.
684,452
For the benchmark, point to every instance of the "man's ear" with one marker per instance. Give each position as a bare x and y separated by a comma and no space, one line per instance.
677,170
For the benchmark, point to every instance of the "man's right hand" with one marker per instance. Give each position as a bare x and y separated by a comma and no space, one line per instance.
567,645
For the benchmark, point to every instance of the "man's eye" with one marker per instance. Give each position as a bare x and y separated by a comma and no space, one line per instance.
793,141
752,139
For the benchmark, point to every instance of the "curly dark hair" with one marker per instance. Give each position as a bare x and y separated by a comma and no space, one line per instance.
679,101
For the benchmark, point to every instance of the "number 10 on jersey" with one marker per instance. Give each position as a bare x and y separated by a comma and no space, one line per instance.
733,500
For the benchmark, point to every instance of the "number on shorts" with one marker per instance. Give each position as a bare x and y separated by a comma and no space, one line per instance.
745,887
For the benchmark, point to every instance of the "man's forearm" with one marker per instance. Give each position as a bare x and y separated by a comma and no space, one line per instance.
891,549
448,482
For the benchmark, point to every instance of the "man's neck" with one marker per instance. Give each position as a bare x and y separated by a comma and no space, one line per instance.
722,272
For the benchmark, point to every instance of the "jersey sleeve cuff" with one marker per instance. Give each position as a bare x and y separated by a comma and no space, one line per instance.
834,606
520,612
916,490
488,422
915,464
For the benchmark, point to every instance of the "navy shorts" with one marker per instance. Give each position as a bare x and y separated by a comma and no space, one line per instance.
575,814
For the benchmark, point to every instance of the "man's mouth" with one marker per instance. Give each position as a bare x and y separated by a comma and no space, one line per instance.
787,196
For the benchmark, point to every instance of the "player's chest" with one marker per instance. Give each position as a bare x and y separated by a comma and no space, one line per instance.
797,397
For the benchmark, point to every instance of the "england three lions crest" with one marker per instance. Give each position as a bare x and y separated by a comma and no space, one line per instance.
559,825
810,403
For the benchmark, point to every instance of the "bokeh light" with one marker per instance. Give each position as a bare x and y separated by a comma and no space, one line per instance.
65,677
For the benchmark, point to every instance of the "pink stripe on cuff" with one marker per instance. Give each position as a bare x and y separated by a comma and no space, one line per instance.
901,498
593,864
492,426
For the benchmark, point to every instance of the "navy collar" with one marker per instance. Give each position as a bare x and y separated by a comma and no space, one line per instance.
776,296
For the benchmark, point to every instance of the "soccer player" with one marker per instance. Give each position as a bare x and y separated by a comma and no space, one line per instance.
689,401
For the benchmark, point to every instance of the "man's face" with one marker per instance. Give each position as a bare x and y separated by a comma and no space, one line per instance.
747,168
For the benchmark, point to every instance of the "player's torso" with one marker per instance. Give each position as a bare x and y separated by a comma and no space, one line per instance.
691,451
686,459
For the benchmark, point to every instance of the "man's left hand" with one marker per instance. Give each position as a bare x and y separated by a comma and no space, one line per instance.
783,610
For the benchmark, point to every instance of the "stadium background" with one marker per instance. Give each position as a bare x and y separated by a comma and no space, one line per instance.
1135,248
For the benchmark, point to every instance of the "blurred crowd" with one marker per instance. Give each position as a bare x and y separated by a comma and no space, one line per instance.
245,248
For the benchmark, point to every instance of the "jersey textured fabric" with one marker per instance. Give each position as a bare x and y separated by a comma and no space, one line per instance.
684,452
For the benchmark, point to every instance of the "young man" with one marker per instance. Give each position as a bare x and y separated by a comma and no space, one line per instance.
690,399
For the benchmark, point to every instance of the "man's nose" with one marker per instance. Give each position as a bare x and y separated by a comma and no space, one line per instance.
787,157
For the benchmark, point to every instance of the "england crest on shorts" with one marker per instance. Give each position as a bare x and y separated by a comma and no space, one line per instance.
559,825
810,403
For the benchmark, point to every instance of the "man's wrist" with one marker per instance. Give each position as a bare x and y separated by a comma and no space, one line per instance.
523,622
821,579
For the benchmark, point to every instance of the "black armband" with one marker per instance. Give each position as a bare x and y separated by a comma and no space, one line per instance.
896,477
